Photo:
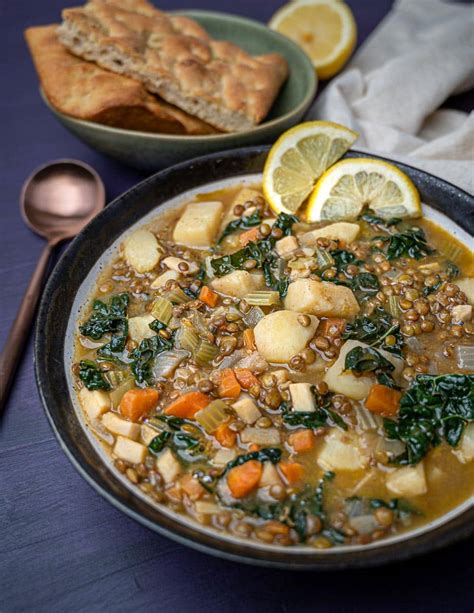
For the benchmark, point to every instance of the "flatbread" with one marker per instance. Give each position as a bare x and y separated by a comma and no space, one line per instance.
174,57
84,90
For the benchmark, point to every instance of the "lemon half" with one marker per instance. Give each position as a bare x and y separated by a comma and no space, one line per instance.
349,186
325,29
298,158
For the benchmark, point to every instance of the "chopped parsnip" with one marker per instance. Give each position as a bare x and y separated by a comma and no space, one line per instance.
116,425
94,403
247,410
129,451
302,397
168,466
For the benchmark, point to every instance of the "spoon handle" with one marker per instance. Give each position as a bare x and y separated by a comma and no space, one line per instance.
21,327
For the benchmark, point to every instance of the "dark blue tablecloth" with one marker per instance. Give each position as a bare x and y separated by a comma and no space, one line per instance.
63,548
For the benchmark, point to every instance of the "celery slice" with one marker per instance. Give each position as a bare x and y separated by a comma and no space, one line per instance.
263,298
205,353
323,258
177,296
187,337
114,377
162,309
212,416
393,307
117,394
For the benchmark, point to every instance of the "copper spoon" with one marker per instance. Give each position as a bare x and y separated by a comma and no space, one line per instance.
56,202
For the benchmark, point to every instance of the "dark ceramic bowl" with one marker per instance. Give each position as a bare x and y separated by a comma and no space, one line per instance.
151,152
69,285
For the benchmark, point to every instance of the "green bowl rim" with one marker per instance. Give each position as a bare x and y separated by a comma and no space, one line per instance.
302,106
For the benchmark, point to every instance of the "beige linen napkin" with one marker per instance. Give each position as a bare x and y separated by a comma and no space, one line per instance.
421,53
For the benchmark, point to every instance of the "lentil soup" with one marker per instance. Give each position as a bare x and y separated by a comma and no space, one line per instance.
290,383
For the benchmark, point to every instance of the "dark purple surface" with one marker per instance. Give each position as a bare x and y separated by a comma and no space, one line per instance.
63,548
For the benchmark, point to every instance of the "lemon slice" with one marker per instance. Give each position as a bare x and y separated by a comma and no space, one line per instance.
350,185
297,160
325,29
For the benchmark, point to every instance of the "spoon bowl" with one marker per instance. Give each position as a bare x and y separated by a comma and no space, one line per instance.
60,198
57,201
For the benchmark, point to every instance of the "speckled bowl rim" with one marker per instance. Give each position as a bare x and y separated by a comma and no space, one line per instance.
222,137
52,317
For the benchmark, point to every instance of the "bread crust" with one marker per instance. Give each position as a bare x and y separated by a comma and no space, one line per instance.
175,58
83,90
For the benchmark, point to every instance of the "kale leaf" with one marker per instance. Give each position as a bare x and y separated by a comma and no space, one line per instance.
142,357
411,244
433,409
267,454
91,376
108,318
295,511
258,251
374,331
246,221
322,416
188,447
365,359
374,220
343,258
363,284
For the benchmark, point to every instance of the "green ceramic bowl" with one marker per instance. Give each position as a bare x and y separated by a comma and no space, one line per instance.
155,151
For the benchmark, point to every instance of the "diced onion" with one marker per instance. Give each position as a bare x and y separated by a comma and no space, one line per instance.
167,362
162,309
252,318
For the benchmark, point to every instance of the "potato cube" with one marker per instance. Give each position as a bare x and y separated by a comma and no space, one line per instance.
139,327
142,251
286,245
199,224
321,298
344,382
94,403
116,425
280,335
342,231
246,410
168,466
407,481
302,397
174,264
269,476
238,283
129,451
341,452
161,280
467,286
